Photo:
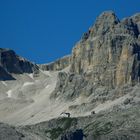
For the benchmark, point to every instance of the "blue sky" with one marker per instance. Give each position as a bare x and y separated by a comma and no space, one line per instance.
44,30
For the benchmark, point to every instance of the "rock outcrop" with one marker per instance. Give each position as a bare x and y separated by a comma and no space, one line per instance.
111,52
12,63
8,132
108,55
4,75
58,64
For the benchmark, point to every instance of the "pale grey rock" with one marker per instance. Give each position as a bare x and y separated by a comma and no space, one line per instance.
10,133
69,86
117,124
108,55
57,65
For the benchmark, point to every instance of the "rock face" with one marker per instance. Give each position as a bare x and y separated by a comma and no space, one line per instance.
57,65
9,133
108,55
12,63
5,75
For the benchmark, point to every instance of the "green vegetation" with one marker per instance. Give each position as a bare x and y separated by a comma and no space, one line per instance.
65,124
99,128
55,132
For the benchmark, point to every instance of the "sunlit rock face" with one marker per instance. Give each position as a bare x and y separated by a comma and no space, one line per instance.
108,55
57,65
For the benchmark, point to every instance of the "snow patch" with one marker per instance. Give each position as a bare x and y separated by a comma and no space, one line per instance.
4,83
47,86
46,73
9,93
95,38
31,76
27,84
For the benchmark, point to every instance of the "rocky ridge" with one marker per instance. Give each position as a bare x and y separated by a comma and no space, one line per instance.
12,63
57,65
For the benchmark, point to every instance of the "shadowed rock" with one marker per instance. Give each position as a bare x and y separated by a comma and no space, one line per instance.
76,135
12,63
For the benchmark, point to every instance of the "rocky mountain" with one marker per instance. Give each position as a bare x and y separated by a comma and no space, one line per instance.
57,65
97,85
12,63
107,56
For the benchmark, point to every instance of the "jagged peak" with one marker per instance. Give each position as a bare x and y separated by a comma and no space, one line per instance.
107,16
103,23
135,16
5,49
108,13
13,63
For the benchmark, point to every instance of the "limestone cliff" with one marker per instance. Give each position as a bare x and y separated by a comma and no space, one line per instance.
58,64
108,55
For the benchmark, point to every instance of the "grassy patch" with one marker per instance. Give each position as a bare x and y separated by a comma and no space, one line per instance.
65,124
55,132
99,128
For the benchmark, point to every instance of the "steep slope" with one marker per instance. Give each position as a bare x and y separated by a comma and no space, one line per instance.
23,98
116,124
57,65
4,75
12,63
8,132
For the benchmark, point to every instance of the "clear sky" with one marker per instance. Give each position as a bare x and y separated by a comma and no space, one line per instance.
44,30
